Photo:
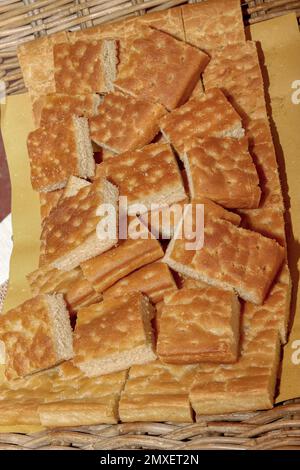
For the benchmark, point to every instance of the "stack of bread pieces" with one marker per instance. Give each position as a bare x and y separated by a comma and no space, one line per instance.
167,109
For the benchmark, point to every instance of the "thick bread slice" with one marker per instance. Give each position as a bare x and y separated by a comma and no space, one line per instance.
70,235
125,123
58,151
160,68
222,170
231,258
206,115
199,325
157,392
105,270
146,176
37,335
85,67
154,280
114,335
213,24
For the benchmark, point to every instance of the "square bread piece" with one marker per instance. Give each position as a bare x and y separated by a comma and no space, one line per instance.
213,24
70,235
37,335
85,67
58,151
207,115
199,325
235,68
249,384
146,176
125,123
61,396
222,169
157,392
231,258
105,270
154,280
56,106
160,68
76,289
114,335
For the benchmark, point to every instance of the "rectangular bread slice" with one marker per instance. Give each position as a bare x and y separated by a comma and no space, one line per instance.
230,258
207,115
58,151
113,335
71,233
199,325
84,67
37,335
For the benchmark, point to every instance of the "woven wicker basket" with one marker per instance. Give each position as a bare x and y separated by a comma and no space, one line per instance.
278,428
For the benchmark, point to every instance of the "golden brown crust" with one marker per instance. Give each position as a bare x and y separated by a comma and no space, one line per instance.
28,337
213,210
74,222
199,325
236,69
213,24
149,175
78,67
56,107
249,267
61,396
157,392
49,201
54,155
106,269
223,170
250,383
125,123
200,117
153,280
145,60
109,335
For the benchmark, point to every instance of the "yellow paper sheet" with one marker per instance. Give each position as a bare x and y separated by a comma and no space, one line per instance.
280,41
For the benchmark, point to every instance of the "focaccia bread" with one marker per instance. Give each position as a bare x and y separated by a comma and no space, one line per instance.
59,150
154,280
49,201
37,335
105,270
231,258
56,106
250,383
85,66
113,335
157,392
70,235
206,115
150,68
77,291
221,169
236,69
61,396
214,23
125,123
146,176
199,325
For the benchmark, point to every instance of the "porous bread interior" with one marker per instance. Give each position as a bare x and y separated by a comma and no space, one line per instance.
61,328
93,246
235,324
53,187
123,360
187,167
109,63
86,162
237,132
97,100
2,353
74,185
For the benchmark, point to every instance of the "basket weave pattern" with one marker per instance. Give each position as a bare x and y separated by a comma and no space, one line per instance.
22,21
278,428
